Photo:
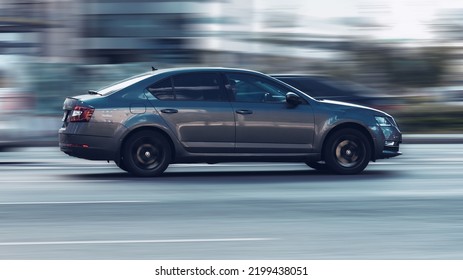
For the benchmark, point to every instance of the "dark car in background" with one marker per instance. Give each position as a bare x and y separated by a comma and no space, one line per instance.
191,115
326,87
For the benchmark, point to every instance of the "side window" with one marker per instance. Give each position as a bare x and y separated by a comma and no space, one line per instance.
131,95
162,90
198,87
250,88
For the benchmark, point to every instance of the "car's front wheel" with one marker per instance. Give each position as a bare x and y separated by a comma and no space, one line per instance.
347,151
146,153
317,165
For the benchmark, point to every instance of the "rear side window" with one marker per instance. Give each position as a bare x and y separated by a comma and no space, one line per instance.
198,86
162,90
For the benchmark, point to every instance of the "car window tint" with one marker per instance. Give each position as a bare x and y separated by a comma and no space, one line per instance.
250,88
131,95
162,90
198,87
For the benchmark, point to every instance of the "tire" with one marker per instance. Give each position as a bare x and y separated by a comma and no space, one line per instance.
317,165
347,151
146,154
121,165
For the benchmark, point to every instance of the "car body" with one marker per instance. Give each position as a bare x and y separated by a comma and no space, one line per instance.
212,115
326,87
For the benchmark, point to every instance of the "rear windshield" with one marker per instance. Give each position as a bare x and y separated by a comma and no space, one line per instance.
123,84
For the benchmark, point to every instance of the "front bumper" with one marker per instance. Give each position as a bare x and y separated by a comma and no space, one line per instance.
389,152
389,144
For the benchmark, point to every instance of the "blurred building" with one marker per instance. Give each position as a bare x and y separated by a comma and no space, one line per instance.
38,28
271,36
115,31
21,27
263,36
99,31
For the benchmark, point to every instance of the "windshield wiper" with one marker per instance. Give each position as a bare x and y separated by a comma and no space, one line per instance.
93,92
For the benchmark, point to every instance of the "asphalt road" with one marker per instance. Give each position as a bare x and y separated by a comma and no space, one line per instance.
56,207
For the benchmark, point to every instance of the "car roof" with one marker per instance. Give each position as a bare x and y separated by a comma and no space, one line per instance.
299,75
207,69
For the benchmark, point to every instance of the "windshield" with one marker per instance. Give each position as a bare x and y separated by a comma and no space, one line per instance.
122,84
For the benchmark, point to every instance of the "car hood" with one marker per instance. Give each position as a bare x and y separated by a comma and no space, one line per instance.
339,105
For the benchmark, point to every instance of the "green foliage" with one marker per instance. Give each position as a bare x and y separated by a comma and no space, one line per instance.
431,119
404,67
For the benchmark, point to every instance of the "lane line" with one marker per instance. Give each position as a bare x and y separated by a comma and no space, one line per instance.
62,182
75,202
136,241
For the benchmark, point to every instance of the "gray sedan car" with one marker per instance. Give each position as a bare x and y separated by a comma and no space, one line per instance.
212,115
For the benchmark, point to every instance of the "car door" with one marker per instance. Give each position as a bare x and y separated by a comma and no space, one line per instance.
195,107
265,123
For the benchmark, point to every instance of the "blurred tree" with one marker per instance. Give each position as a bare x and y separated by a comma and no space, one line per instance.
423,68
409,67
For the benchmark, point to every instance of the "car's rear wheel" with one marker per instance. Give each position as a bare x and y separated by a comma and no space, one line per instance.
146,153
347,151
121,165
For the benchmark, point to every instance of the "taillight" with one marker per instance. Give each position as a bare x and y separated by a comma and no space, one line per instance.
81,114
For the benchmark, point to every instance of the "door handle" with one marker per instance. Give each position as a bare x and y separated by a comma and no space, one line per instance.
244,112
169,111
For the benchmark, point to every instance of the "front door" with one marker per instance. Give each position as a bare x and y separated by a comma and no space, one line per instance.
265,123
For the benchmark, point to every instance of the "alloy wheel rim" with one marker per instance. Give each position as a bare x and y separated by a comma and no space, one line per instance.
147,155
349,153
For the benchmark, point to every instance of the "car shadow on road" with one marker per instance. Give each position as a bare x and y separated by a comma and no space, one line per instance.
233,177
16,163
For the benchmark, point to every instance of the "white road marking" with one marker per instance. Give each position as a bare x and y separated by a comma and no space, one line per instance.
135,241
75,202
60,182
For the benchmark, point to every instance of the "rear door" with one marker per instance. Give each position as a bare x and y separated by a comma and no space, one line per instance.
196,109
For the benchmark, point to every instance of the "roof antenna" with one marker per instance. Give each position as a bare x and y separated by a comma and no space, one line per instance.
153,69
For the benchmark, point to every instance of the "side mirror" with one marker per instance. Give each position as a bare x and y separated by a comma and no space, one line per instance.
293,99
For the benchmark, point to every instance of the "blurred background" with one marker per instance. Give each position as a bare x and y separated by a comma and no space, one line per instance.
407,55
402,56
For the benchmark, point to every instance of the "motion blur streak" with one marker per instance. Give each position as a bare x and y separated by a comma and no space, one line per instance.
409,208
133,241
409,51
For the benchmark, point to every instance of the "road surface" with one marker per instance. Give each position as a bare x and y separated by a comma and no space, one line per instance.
56,207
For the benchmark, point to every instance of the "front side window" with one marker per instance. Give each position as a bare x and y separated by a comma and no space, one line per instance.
250,88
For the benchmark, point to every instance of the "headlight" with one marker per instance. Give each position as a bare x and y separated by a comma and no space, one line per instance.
385,121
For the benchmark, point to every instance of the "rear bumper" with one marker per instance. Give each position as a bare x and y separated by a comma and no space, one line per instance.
87,147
